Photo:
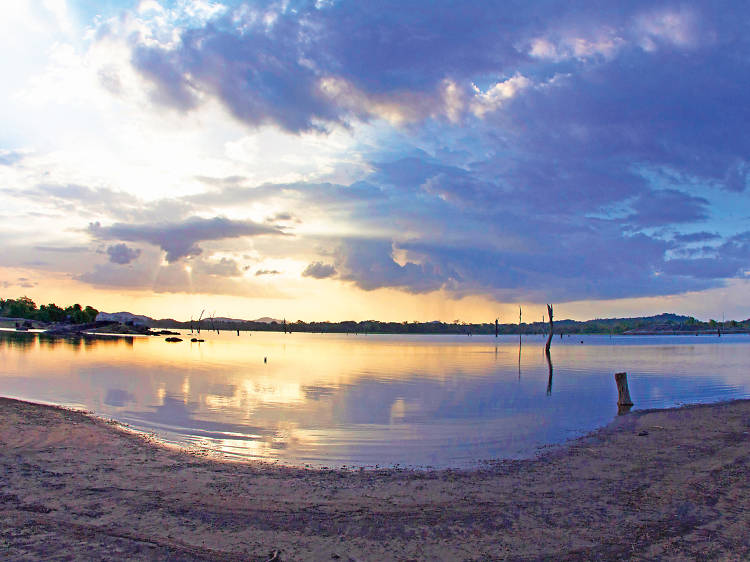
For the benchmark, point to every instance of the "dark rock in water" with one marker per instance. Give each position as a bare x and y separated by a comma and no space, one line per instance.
172,339
196,340
166,333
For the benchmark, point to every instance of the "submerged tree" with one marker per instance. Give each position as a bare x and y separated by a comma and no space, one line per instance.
549,336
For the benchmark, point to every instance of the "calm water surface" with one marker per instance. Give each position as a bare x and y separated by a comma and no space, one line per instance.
333,400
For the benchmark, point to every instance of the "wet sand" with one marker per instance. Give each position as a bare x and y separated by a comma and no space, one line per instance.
667,484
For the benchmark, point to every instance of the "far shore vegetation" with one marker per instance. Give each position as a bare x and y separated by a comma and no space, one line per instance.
25,308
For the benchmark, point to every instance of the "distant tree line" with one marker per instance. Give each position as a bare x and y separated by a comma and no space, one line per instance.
662,323
24,307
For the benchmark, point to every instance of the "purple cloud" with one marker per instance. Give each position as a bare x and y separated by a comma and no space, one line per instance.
180,239
695,237
122,253
668,206
319,270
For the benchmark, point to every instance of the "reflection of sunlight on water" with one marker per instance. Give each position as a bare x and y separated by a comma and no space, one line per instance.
267,390
398,410
335,399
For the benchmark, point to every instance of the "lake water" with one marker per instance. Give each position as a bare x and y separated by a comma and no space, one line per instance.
335,400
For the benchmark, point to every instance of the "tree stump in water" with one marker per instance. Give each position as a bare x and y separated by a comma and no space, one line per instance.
624,402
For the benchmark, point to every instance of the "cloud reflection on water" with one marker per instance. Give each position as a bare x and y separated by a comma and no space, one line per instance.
369,400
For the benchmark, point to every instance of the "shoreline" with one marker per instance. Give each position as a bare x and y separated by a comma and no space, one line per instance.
667,484
72,330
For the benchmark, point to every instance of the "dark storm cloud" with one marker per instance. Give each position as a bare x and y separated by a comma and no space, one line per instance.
180,239
265,63
668,206
676,109
696,237
160,66
569,265
122,253
729,259
371,265
260,75
319,270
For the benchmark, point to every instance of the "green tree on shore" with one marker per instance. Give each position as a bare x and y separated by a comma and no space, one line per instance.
24,307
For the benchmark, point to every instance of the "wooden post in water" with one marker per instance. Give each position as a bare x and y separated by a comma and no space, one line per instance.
624,402
496,326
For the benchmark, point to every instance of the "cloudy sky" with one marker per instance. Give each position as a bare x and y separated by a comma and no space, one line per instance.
392,160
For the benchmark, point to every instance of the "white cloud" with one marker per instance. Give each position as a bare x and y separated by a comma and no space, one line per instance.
676,27
497,95
602,42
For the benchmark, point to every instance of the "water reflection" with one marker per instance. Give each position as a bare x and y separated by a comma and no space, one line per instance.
21,340
519,356
548,355
444,401
118,397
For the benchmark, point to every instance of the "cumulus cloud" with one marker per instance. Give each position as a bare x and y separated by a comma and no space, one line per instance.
122,253
319,270
180,239
498,94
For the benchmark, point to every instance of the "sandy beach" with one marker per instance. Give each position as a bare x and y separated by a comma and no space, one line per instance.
667,484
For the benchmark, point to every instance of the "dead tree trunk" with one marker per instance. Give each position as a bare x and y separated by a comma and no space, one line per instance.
549,336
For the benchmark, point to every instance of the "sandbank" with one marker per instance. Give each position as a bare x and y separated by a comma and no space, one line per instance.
663,484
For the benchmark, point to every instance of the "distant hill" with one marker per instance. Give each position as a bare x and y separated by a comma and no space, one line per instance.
665,323
267,320
126,317
264,320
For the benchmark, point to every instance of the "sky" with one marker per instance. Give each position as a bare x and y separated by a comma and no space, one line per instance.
332,160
